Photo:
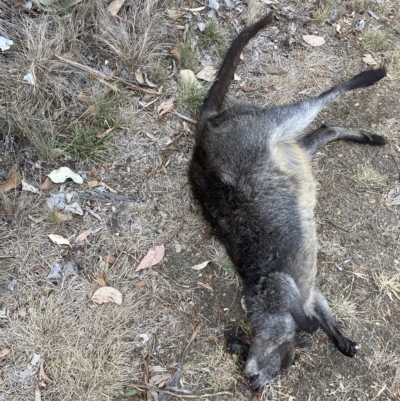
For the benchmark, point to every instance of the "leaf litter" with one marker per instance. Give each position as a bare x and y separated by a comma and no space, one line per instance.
107,294
13,179
154,256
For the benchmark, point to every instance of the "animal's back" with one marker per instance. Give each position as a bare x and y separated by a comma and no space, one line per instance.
257,193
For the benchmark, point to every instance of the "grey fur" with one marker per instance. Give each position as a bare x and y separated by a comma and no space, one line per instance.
251,174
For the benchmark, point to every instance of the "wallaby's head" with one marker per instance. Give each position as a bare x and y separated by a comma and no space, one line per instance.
276,312
272,350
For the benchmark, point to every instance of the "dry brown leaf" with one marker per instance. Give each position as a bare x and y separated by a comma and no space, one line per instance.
176,52
314,40
115,6
205,285
63,217
47,291
59,239
154,256
21,311
196,9
82,236
4,352
165,106
139,77
107,294
94,183
140,284
175,14
101,281
102,134
188,77
109,258
208,73
43,375
13,179
368,59
46,184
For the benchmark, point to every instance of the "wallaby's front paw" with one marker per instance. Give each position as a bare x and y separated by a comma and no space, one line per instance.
347,347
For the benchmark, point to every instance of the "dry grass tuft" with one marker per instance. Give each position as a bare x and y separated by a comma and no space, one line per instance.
369,177
47,113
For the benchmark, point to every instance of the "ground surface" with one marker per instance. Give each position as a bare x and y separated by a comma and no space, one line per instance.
97,352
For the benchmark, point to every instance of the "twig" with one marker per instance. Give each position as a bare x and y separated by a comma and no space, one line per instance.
99,75
118,256
193,396
104,78
178,372
146,370
190,120
6,256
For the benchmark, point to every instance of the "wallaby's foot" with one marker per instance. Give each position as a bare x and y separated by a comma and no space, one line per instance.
347,347
328,133
373,139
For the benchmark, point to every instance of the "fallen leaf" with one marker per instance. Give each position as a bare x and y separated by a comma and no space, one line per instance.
165,106
46,184
208,73
368,59
197,9
94,183
139,77
21,311
82,236
140,284
109,259
188,77
107,294
200,266
4,352
101,281
154,256
29,187
102,134
63,217
59,239
63,173
175,14
148,82
115,6
314,40
236,77
12,181
205,285
43,375
47,291
176,52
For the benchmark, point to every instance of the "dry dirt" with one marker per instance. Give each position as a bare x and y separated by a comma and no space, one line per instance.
99,352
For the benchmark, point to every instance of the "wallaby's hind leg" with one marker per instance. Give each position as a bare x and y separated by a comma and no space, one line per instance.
328,324
326,133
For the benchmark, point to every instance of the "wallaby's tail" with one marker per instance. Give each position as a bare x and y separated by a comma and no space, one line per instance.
215,97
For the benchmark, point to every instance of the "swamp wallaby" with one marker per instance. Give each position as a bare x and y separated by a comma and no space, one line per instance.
251,174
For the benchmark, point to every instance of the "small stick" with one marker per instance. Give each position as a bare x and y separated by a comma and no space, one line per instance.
176,376
190,120
193,396
99,75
